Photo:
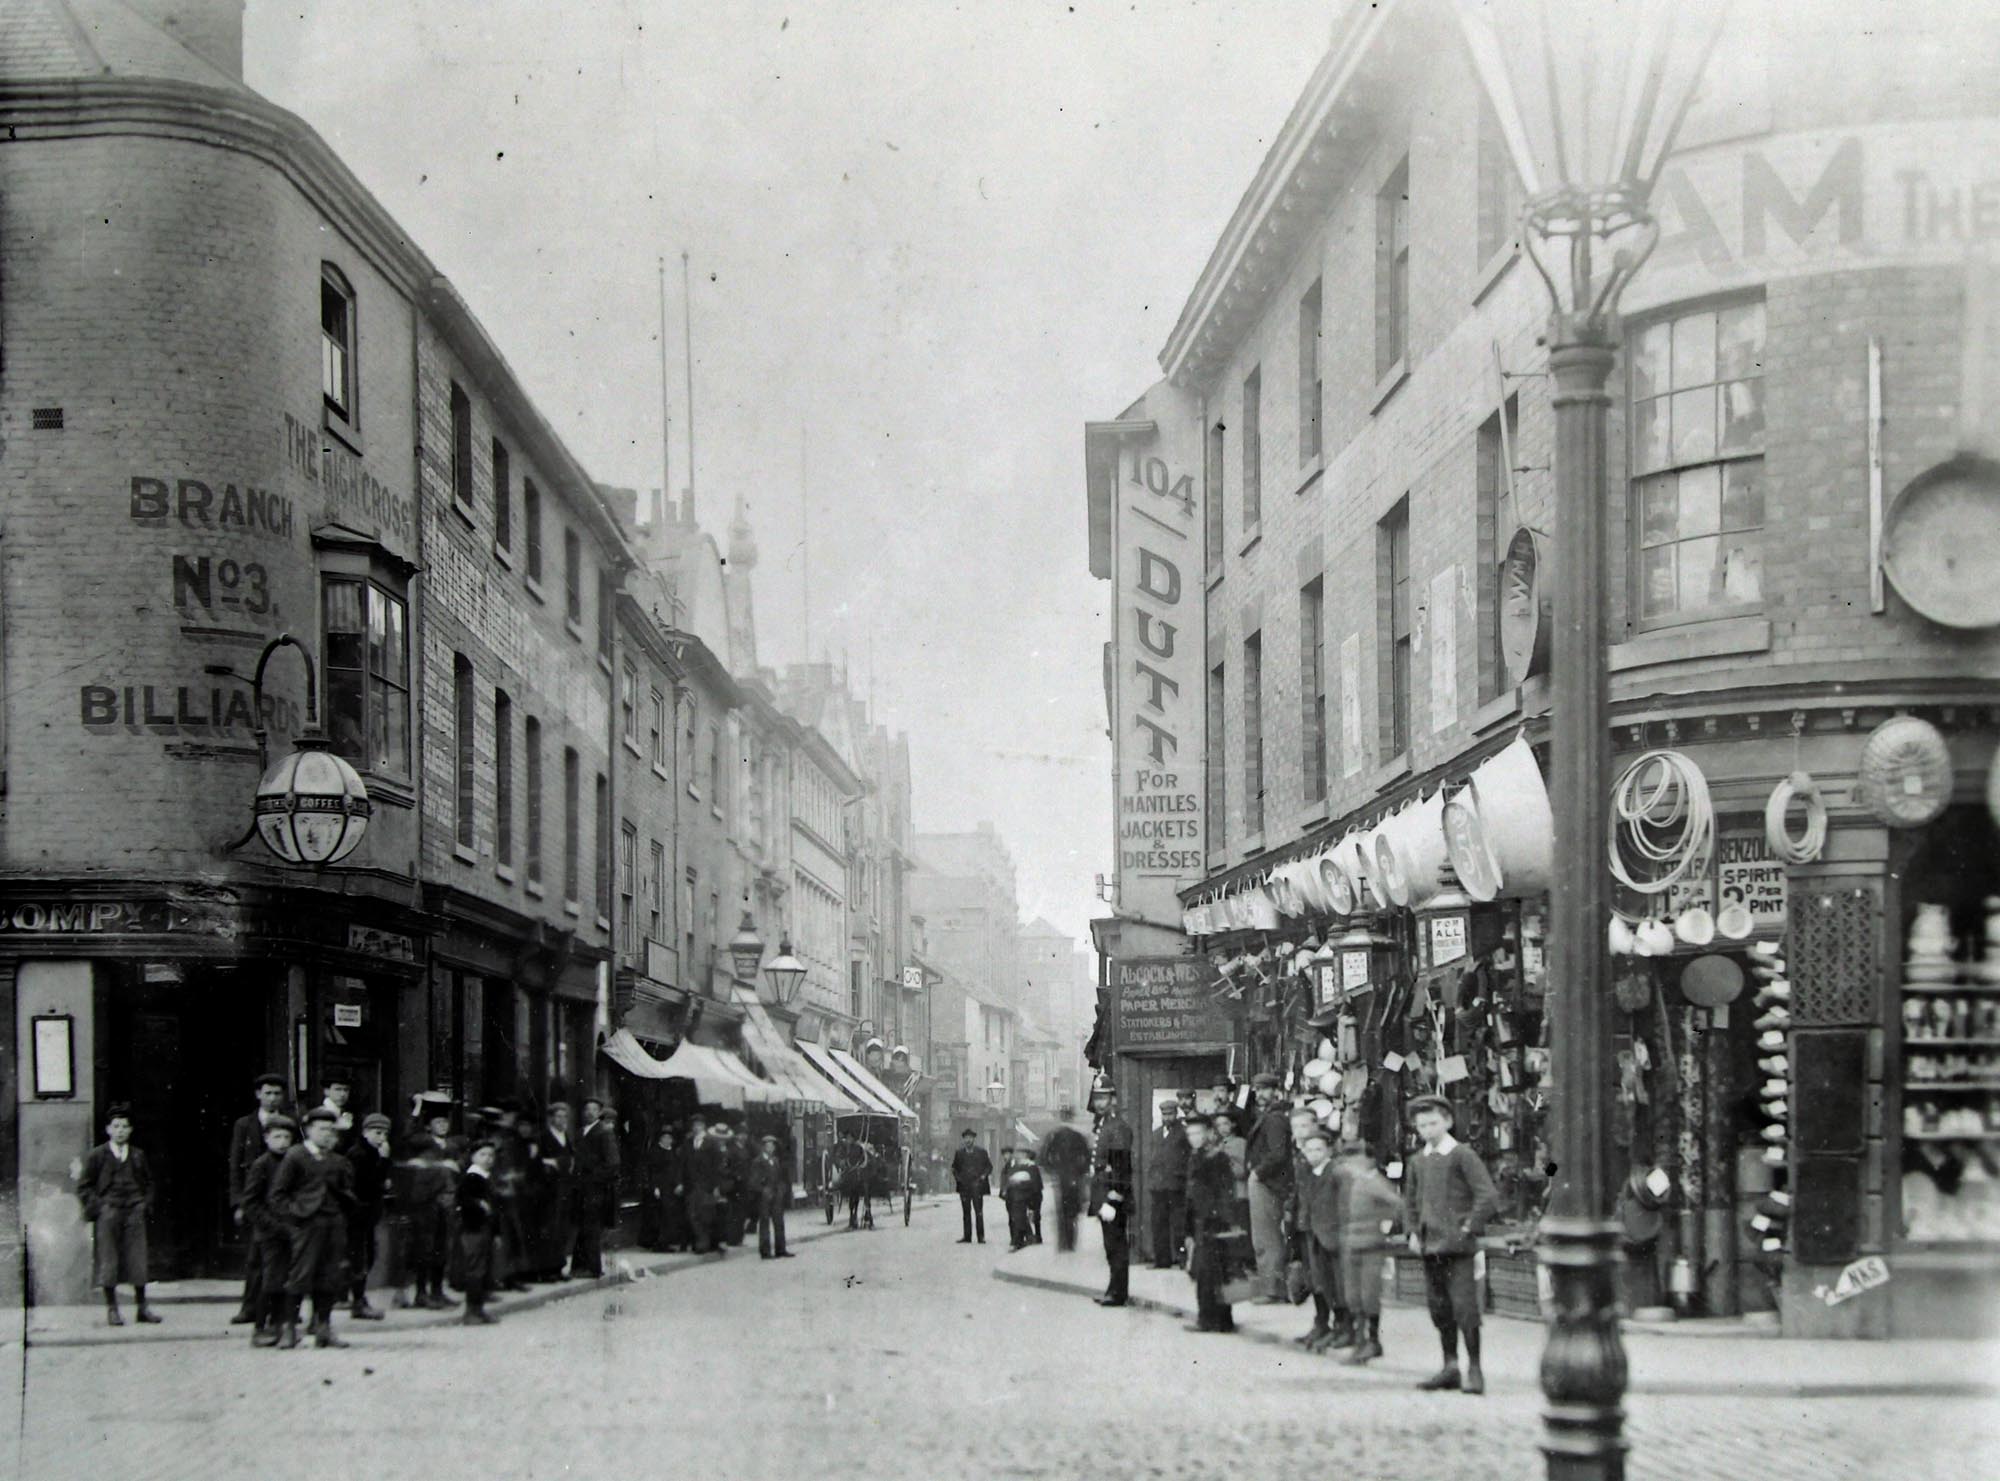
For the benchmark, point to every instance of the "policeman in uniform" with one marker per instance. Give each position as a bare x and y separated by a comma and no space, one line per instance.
1111,1192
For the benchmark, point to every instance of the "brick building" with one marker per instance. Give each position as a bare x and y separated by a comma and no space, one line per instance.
339,454
1354,431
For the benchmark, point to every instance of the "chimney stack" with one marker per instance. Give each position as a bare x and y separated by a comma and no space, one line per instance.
211,29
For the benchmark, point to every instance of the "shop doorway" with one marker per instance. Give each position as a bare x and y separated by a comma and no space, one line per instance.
183,1053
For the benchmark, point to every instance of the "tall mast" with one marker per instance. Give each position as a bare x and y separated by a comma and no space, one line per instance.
657,513
687,349
805,553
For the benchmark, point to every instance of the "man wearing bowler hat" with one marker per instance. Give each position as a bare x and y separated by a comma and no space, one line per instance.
1448,1198
972,1171
246,1145
1270,1161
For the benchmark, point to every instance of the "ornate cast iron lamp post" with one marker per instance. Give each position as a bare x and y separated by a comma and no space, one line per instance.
1589,95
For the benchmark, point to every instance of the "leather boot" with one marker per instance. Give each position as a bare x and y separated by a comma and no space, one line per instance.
146,1313
113,1317
1317,1331
1370,1345
323,1334
266,1335
1444,1378
1475,1380
362,1311
289,1338
1344,1334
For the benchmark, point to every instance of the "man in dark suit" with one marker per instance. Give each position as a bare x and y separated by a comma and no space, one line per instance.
771,1186
597,1164
556,1160
1066,1155
1111,1198
1166,1169
972,1173
1270,1162
246,1145
706,1175
1211,1209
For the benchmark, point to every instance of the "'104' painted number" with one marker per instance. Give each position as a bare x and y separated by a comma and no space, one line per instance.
1150,474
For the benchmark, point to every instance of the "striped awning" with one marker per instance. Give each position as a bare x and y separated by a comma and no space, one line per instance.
872,1084
823,1060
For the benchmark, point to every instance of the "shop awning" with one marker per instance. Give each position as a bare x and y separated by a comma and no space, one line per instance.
822,1059
787,1065
713,1084
871,1084
1026,1133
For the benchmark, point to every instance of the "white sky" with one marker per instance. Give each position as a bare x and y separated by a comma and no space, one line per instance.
937,237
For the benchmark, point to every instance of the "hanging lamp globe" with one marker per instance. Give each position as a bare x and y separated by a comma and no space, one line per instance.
312,807
785,972
746,950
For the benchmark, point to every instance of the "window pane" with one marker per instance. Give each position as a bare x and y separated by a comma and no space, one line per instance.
1650,446
1656,581
1650,360
1694,425
1742,568
1694,350
378,723
343,606
398,672
1743,494
1743,416
1659,510
1740,341
1700,573
1701,501
343,715
378,633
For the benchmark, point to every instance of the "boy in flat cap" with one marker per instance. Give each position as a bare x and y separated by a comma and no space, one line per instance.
116,1188
246,1145
1270,1160
1369,1208
1448,1199
270,1240
1211,1205
372,1167
312,1191
478,1224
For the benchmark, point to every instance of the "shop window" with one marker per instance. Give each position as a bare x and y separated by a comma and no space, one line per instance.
461,448
1697,452
336,346
503,777
573,580
1253,449
503,497
1392,270
1392,565
628,863
600,851
1253,735
464,733
531,745
1500,197
531,527
572,825
366,667
1312,688
1311,382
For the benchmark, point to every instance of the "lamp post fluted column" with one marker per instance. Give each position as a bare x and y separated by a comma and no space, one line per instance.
1583,1365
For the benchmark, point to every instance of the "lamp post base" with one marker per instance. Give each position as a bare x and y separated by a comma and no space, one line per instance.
1583,1364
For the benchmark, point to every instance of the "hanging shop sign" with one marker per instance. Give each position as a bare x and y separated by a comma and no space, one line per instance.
1747,875
1161,1005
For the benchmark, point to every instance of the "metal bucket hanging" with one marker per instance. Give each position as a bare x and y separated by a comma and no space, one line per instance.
1503,841
1410,852
1334,882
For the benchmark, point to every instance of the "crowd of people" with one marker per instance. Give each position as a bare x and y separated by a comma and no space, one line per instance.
518,1196
1289,1211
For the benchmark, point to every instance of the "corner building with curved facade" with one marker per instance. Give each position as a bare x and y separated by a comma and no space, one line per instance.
237,403
1357,386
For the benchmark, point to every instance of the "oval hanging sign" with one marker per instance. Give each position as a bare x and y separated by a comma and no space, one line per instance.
1526,602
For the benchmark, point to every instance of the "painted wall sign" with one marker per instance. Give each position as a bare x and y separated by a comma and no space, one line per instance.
1160,1005
1350,705
1807,202
1158,657
390,944
141,917
1443,631
350,490
180,709
210,508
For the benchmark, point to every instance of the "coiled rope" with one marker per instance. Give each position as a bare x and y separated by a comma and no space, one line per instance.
1798,787
1661,815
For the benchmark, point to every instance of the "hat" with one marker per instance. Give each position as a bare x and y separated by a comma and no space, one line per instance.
1264,1080
374,1120
281,1122
488,1113
769,1140
268,1078
120,1110
1429,1103
1170,1105
318,1114
1197,1118
340,1077
968,1132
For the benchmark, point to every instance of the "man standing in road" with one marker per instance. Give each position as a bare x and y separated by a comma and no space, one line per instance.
1166,1166
1211,1207
1270,1163
972,1172
771,1185
597,1163
246,1145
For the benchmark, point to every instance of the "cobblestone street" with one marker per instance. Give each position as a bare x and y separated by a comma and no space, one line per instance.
892,1353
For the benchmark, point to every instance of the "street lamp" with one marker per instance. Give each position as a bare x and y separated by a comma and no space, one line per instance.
311,806
1589,97
785,972
746,950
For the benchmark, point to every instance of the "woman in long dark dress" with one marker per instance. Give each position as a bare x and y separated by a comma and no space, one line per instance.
663,1221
